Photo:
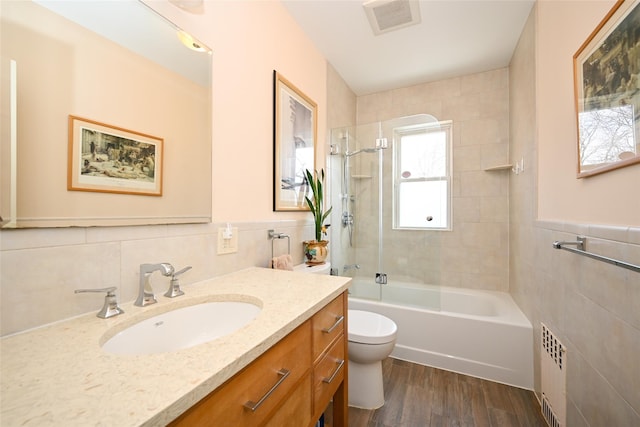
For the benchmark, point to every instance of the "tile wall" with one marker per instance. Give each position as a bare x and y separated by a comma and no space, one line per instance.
40,268
476,253
591,306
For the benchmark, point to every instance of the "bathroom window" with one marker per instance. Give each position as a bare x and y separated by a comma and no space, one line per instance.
422,177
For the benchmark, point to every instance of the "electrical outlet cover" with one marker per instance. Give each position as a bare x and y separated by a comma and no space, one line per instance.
227,246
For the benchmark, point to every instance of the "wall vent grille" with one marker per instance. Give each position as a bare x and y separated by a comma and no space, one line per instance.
553,372
548,414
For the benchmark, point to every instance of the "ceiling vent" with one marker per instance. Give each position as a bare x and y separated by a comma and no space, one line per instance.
390,15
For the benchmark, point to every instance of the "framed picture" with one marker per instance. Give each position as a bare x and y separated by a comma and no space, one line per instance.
294,144
110,159
607,92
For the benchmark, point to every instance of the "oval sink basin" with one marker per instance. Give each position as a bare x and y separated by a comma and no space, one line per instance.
182,328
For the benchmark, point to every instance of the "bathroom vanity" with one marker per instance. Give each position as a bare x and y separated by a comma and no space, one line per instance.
289,385
282,368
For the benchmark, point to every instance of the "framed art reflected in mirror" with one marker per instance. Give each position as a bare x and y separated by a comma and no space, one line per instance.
110,159
607,92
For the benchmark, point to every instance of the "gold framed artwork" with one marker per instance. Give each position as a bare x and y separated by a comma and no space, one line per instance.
607,92
110,159
294,144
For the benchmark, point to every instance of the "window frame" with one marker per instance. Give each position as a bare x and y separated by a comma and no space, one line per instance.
398,133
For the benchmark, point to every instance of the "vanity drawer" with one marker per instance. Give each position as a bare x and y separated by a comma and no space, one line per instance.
328,375
264,384
328,324
296,410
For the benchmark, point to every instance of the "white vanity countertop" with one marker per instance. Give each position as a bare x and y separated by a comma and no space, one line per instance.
59,375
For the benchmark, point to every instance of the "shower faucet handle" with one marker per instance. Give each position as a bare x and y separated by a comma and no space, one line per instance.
347,218
381,278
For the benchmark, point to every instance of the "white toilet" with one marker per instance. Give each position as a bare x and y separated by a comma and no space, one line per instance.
372,337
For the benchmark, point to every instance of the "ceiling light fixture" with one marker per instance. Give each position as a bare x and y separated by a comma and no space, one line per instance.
390,15
189,41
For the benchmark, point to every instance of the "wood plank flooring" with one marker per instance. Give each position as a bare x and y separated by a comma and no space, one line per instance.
421,396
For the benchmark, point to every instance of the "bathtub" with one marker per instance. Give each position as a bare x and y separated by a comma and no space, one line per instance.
479,333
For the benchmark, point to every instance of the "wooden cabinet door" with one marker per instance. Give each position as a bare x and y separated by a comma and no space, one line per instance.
264,384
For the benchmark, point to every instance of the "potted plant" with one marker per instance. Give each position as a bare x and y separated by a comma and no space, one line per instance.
316,250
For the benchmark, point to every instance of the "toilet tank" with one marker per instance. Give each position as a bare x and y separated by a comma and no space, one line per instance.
313,269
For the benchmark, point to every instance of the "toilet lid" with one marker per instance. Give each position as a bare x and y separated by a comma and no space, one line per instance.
370,328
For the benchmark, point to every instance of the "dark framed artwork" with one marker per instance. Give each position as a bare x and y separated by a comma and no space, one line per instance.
607,92
294,144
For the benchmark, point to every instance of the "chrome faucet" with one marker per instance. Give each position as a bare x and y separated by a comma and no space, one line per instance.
145,291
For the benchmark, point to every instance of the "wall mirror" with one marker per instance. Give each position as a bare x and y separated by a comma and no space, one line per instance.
607,86
113,62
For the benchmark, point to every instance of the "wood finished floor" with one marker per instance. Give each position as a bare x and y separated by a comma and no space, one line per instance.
420,396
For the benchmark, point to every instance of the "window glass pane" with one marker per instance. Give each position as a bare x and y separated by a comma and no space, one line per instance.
420,201
423,155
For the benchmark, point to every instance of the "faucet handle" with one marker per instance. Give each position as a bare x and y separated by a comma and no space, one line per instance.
177,273
110,307
174,287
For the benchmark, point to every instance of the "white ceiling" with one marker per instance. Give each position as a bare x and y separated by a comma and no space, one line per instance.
455,37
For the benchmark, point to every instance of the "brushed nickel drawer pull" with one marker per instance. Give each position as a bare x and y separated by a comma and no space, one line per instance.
339,320
284,373
328,380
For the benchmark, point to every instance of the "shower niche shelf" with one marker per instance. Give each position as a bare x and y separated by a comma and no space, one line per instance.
499,168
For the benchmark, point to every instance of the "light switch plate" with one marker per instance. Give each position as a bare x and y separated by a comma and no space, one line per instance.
227,246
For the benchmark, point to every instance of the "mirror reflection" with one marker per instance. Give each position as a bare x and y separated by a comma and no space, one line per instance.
118,63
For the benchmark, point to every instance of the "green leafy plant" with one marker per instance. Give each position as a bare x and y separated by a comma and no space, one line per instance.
316,202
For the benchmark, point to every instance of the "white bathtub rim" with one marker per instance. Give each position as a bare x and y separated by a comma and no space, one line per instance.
506,307
513,316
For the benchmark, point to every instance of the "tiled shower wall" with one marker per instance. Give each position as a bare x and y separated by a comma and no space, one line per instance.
476,253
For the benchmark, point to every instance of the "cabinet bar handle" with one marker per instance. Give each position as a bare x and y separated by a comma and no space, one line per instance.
328,380
284,373
339,320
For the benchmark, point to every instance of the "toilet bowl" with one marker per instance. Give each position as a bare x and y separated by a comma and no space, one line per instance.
372,337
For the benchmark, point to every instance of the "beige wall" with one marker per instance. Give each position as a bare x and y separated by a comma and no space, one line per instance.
250,39
592,307
62,70
611,198
39,269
